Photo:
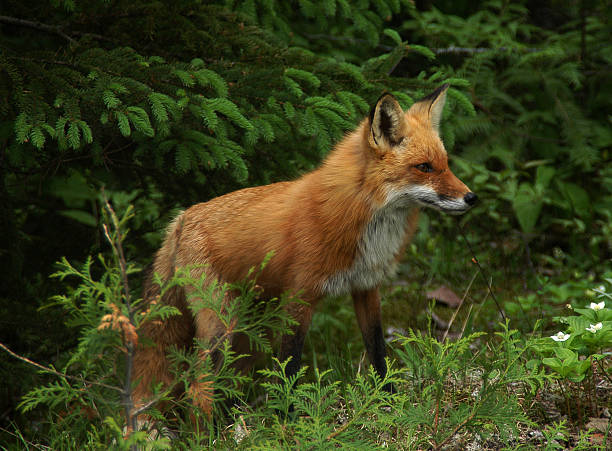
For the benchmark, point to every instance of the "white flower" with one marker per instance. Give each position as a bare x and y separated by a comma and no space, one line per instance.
594,327
560,336
597,306
600,288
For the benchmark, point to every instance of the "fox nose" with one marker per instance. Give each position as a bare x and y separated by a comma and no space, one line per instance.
470,198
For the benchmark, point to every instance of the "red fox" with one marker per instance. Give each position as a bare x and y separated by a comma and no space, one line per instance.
339,229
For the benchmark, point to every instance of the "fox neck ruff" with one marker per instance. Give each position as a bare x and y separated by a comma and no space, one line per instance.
377,253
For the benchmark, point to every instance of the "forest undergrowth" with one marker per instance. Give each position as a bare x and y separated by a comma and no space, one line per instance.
467,376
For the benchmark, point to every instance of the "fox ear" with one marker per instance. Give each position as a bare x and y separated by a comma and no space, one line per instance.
387,124
431,107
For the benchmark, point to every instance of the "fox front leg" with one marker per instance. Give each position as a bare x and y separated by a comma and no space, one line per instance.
367,309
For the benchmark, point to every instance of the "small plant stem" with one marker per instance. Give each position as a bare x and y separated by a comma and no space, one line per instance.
580,415
567,406
489,287
482,402
37,26
57,373
603,371
437,415
457,429
115,241
17,434
118,250
591,391
452,320
341,429
358,414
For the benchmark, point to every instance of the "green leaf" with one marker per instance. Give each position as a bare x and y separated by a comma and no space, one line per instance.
86,131
462,100
394,35
544,175
118,88
80,216
183,158
578,324
185,77
265,129
157,102
74,136
303,75
37,137
583,366
197,63
552,362
49,129
293,87
459,82
289,110
566,355
229,109
140,119
426,52
22,127
60,131
209,78
123,123
354,72
578,198
110,100
527,206
208,115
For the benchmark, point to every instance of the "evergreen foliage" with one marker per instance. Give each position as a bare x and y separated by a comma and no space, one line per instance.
83,403
170,103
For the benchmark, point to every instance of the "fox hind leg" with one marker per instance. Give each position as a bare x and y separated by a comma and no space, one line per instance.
292,345
150,364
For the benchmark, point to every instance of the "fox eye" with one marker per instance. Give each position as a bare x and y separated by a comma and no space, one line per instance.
424,167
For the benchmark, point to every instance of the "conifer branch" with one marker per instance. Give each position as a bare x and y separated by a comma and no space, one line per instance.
53,29
55,372
118,250
438,51
99,37
473,50
42,61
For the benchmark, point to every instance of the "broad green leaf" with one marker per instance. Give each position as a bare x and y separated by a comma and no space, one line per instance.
578,198
80,216
544,174
527,206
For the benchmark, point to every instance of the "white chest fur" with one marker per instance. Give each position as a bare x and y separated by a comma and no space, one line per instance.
376,256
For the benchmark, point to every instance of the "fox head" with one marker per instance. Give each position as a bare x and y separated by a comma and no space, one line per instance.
411,158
